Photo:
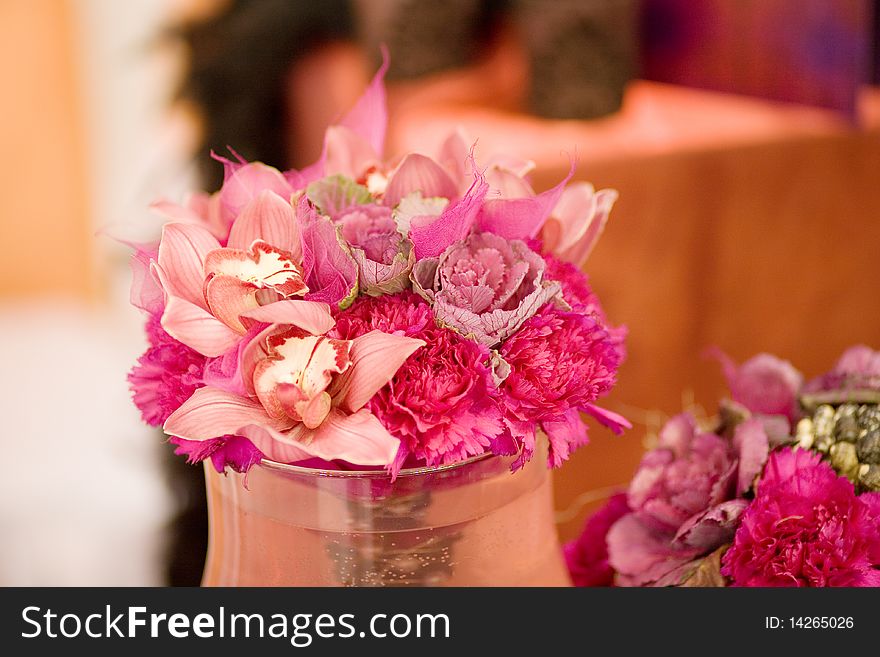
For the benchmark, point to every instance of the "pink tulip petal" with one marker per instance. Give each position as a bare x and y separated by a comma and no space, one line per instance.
311,316
211,413
375,357
197,328
228,298
431,236
418,173
271,219
520,218
182,253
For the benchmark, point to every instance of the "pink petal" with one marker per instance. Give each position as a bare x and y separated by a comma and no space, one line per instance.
330,271
271,219
375,357
311,316
254,352
582,215
197,328
211,413
642,554
345,153
182,253
520,218
146,291
505,184
369,116
228,297
565,436
750,439
453,156
614,421
711,528
245,182
431,236
359,438
418,173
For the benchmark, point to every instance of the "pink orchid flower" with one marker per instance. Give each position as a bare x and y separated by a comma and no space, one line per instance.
214,294
310,393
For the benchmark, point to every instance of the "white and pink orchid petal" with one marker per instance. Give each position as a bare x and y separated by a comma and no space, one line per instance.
520,218
271,219
197,328
182,252
375,358
312,316
359,438
245,182
454,157
314,411
418,173
211,412
518,166
255,351
581,214
228,298
263,265
505,184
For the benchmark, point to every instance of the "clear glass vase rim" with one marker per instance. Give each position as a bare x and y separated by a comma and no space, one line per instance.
372,474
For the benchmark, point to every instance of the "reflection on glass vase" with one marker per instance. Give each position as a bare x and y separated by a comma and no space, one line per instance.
470,524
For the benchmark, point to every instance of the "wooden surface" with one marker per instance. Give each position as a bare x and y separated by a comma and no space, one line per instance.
743,224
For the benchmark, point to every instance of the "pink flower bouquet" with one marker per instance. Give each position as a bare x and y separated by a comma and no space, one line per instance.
782,490
373,313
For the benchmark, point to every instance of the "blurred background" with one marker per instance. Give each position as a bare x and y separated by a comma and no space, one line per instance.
743,136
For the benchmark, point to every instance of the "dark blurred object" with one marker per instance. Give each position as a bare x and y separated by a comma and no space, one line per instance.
581,53
239,61
815,52
188,536
875,43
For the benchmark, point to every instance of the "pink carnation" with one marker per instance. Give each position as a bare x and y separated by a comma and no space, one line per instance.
165,376
442,403
587,555
560,363
806,527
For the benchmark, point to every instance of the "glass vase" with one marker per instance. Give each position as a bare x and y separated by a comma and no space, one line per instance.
470,524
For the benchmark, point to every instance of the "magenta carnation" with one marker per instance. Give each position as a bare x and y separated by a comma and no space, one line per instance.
806,527
587,555
560,363
165,376
235,451
442,404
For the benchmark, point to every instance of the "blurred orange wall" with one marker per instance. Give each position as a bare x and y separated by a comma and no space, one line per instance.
45,226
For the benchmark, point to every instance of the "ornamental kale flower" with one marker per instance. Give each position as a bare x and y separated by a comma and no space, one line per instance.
165,376
587,556
485,286
685,500
384,257
858,368
559,364
764,384
442,404
806,527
